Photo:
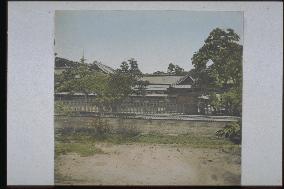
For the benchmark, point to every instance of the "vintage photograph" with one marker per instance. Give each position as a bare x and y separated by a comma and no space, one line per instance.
148,97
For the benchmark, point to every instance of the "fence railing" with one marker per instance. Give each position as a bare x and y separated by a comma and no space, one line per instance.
126,107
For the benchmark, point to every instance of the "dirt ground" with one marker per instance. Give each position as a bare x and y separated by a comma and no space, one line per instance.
149,164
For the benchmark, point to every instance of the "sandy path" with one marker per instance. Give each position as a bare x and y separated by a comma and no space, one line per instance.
140,164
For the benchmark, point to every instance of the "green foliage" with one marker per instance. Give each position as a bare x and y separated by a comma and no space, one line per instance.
61,109
159,73
171,68
83,148
81,79
120,85
184,139
100,131
101,128
230,100
231,131
127,78
141,87
178,70
109,89
124,67
134,70
224,75
130,68
175,69
85,80
223,49
129,134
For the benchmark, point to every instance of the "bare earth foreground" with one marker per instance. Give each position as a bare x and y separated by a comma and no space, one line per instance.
149,164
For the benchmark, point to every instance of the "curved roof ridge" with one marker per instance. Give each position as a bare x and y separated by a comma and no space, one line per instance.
182,79
105,68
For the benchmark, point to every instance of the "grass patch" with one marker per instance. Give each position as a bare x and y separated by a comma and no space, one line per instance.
82,142
83,149
184,139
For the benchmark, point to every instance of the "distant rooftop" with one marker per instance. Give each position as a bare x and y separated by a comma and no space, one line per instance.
62,63
162,79
104,68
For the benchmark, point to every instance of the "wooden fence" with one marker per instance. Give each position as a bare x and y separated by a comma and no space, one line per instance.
80,105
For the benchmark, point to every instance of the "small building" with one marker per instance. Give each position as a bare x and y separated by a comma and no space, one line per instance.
155,99
169,93
160,84
185,94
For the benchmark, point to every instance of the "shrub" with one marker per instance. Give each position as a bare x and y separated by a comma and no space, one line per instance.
231,131
83,149
61,108
98,129
101,128
65,130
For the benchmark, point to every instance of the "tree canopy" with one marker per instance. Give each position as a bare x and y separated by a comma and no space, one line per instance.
128,76
108,88
218,66
175,69
83,79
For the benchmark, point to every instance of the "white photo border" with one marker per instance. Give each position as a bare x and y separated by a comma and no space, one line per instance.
30,140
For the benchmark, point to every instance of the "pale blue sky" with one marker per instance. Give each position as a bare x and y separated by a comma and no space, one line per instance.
153,38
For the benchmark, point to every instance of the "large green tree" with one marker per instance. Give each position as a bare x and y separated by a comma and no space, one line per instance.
218,67
109,89
127,79
83,79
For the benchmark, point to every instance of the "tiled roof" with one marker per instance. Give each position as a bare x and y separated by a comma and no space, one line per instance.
164,80
64,63
181,80
104,68
157,87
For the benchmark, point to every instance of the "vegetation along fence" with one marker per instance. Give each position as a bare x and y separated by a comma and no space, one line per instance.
126,107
